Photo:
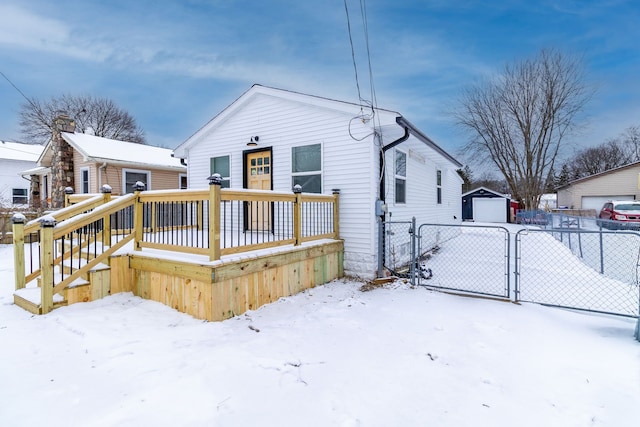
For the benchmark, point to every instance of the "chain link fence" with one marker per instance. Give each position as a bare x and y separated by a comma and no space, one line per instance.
579,268
565,261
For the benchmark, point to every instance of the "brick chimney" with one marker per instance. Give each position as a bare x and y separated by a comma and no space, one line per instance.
61,160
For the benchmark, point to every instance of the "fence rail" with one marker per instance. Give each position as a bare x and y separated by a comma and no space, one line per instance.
214,222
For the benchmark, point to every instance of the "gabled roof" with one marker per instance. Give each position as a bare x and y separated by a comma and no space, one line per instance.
597,175
424,138
383,117
487,190
20,152
100,150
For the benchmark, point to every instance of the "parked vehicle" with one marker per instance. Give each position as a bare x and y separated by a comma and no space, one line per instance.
620,214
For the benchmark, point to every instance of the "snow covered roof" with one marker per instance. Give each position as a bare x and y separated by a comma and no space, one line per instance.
99,149
20,152
39,170
486,190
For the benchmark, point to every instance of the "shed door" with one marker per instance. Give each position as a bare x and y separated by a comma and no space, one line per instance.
258,169
489,209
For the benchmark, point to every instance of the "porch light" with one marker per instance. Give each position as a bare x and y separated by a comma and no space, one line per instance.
253,142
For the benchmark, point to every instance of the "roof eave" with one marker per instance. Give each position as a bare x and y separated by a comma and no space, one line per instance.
425,139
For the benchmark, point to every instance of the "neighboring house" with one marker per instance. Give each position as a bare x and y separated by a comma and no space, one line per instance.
485,205
272,139
14,158
593,191
87,162
548,202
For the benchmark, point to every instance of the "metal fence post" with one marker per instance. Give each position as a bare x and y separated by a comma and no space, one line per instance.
516,271
601,253
412,256
380,247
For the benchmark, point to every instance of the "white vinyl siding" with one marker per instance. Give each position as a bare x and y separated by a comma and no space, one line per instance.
10,178
347,164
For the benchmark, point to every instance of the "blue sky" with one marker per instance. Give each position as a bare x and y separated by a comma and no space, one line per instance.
174,64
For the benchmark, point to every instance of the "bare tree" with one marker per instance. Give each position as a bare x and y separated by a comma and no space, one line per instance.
100,115
603,157
630,139
519,119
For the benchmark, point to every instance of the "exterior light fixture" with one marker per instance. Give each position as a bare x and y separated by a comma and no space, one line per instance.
253,142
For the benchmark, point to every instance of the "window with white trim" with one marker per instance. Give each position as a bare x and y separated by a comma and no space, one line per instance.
20,196
183,181
401,176
306,167
439,187
132,176
84,180
222,166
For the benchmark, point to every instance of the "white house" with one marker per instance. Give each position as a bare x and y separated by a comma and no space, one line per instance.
14,158
380,162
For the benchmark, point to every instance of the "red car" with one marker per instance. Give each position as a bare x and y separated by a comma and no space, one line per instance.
620,214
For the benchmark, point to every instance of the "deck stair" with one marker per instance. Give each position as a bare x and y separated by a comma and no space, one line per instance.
90,286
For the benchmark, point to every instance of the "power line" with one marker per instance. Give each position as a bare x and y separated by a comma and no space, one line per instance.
16,88
353,53
365,26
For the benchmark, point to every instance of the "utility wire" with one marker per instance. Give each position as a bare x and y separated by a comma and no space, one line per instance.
16,88
353,53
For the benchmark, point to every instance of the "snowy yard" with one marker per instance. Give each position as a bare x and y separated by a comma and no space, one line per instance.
332,356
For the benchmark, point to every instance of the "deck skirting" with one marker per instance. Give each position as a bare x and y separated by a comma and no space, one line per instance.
227,288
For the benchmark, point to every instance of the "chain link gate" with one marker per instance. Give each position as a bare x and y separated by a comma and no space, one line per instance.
467,258
396,248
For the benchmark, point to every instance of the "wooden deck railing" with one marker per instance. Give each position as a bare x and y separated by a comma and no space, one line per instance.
213,222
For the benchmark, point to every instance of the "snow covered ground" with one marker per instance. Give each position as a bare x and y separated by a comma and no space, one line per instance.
332,356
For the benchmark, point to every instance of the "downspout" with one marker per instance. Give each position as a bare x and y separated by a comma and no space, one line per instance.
380,212
100,169
385,148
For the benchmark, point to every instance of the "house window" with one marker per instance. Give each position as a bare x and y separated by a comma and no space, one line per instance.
133,176
20,196
439,187
221,165
183,182
84,180
401,177
306,167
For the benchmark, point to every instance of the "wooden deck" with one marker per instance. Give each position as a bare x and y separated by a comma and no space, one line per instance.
174,248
